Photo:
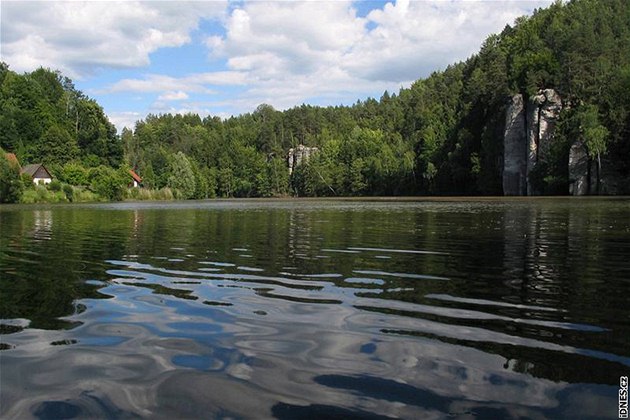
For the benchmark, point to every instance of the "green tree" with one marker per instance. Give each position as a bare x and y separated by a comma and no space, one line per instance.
278,176
107,182
225,181
74,174
57,146
11,186
595,136
182,176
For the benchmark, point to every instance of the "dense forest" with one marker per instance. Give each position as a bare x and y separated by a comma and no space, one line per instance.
442,135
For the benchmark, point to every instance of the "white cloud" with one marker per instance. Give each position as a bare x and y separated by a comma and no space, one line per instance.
80,37
275,39
196,82
411,39
173,96
294,51
151,83
124,119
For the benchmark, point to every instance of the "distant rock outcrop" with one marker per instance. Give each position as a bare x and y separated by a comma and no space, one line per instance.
298,155
578,170
529,131
586,177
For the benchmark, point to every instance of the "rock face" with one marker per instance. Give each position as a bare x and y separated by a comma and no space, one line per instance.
578,170
543,111
298,155
514,163
529,131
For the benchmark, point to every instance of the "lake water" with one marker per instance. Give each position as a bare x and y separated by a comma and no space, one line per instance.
495,308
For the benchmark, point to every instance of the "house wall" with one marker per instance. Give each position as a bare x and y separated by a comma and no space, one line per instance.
38,181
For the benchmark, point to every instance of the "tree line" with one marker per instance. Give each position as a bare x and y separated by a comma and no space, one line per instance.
442,135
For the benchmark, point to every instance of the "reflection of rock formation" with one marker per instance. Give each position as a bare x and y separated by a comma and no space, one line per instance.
531,254
515,231
298,155
528,138
299,238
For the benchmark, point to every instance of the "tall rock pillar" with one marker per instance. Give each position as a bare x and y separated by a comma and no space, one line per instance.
514,149
578,170
543,111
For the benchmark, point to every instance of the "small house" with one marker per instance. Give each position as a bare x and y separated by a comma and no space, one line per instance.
38,173
136,181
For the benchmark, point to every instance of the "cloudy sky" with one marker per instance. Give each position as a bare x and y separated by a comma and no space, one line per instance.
225,58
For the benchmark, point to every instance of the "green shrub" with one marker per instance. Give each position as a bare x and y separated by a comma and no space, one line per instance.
27,180
133,193
29,196
57,197
69,192
164,194
41,193
82,195
144,194
54,185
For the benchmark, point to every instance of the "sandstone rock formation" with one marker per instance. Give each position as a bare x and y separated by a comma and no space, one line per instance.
543,111
514,163
298,155
578,170
529,131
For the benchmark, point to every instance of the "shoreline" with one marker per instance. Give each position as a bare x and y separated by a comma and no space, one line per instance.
379,199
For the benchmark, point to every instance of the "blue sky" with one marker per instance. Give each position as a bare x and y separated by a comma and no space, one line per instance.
225,58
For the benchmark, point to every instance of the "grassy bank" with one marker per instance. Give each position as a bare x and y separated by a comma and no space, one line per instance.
57,192
62,193
163,194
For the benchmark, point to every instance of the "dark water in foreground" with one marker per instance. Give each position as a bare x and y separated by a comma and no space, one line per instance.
315,309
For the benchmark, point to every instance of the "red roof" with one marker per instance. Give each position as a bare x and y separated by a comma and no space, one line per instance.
13,159
135,176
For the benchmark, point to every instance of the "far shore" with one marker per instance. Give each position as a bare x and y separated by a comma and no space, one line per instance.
381,199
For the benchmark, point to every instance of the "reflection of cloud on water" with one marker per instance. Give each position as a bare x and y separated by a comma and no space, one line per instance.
323,347
177,358
325,350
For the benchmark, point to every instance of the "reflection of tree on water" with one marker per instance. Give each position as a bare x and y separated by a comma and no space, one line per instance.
51,255
549,255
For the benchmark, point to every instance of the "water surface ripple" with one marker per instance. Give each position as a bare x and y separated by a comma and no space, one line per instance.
486,308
